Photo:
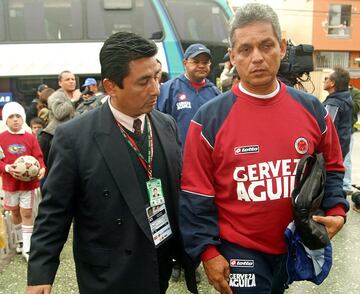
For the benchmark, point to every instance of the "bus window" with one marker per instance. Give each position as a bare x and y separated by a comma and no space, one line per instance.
139,17
199,21
45,20
2,22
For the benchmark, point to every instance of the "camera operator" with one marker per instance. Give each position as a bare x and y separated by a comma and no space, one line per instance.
90,88
90,97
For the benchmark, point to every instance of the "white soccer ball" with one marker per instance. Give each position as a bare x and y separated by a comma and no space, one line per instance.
28,167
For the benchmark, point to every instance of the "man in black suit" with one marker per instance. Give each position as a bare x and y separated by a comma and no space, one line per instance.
104,166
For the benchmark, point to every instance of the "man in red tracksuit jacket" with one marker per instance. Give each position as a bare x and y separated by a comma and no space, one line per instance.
240,159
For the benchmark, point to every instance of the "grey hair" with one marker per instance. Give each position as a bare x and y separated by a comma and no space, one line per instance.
254,12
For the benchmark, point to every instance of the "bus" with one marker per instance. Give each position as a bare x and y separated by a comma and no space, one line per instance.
41,38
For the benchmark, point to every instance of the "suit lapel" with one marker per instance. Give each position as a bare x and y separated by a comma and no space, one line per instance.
115,152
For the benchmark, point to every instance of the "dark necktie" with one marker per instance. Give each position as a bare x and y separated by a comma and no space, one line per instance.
137,126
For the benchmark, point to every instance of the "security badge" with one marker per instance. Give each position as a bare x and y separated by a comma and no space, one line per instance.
155,193
156,212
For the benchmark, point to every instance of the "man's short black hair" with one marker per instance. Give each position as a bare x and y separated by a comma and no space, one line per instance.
119,50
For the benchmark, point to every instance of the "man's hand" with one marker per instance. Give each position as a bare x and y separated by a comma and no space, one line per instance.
217,270
38,289
76,95
333,224
41,173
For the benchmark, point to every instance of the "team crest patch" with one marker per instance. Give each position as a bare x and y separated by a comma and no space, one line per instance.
242,263
301,145
246,149
16,149
182,97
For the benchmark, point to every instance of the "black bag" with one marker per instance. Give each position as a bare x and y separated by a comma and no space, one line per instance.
307,198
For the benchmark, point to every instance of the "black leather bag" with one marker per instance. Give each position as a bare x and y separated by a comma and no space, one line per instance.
307,198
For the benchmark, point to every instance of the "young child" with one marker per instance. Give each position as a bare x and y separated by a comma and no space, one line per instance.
36,125
19,195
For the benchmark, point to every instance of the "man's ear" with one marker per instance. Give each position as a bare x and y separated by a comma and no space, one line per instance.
282,48
232,56
109,86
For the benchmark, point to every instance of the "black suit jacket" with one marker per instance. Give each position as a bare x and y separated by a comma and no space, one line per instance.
93,182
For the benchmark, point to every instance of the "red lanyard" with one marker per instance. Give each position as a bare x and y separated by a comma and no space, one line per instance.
147,164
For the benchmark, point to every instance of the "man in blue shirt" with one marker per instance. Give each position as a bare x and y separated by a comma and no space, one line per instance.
182,96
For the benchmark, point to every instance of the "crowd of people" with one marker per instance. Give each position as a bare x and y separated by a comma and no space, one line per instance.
158,175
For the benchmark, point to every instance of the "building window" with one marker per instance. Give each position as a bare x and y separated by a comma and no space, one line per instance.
339,20
332,59
106,17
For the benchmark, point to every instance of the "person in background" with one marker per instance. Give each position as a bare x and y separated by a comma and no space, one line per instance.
31,111
182,96
355,96
36,125
43,108
19,195
164,77
103,167
90,98
226,77
91,88
61,105
238,176
340,107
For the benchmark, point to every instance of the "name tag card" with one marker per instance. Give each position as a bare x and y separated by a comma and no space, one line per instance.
159,223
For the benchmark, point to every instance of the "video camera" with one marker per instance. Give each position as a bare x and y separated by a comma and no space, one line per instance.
298,61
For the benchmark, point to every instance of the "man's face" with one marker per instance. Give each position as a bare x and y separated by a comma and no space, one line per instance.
140,88
68,82
198,68
256,53
329,84
15,122
93,88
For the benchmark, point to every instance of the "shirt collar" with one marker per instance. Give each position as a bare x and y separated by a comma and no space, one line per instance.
20,132
125,120
271,95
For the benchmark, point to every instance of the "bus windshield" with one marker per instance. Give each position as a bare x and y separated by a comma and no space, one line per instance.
198,20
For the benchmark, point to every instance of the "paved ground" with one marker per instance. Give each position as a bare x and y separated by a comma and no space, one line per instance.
343,278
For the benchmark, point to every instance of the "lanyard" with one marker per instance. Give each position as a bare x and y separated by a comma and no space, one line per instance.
147,164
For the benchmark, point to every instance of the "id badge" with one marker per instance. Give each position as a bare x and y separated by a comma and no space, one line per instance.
159,223
155,192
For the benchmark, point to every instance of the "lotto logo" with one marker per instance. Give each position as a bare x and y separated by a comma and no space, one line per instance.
246,149
182,97
242,263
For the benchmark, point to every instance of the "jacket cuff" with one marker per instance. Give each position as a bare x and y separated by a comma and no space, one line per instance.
209,253
337,210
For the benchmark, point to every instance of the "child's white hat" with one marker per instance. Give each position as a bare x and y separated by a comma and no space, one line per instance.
11,108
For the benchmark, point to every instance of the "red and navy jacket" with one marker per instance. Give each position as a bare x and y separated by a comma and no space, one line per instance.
240,160
181,100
